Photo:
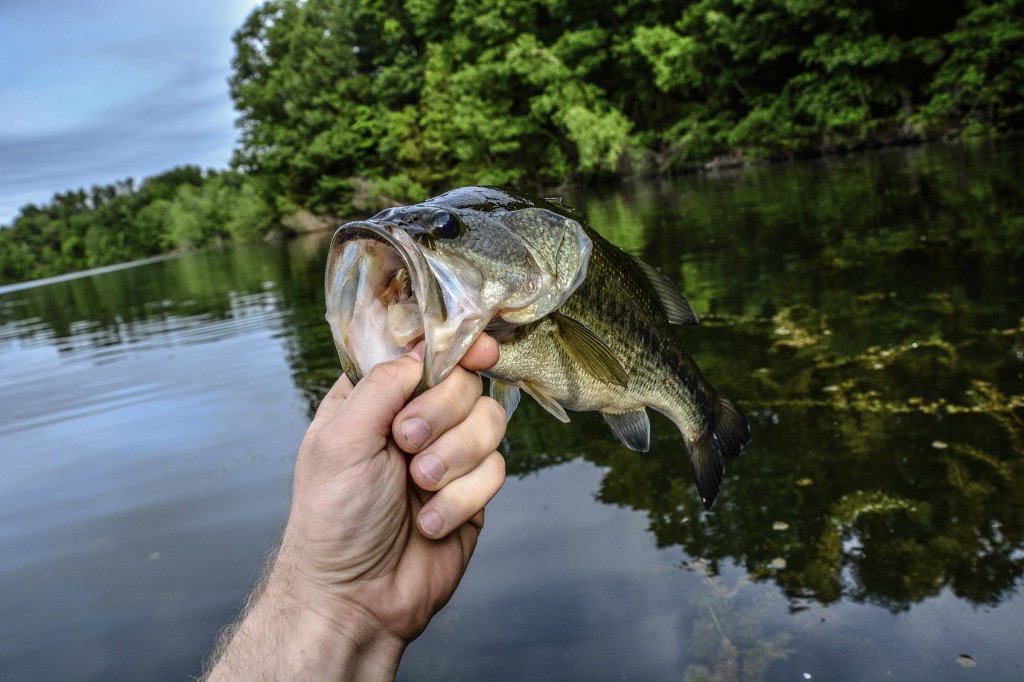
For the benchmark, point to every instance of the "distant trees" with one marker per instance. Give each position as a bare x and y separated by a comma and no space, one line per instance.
351,105
181,208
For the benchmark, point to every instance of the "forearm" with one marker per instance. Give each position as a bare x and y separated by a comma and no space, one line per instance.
282,638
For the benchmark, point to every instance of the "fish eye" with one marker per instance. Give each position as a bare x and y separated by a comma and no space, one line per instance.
445,225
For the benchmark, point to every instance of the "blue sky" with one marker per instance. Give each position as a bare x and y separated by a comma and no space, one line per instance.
93,91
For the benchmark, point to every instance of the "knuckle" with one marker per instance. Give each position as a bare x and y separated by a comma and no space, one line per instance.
466,499
498,461
495,411
453,406
386,373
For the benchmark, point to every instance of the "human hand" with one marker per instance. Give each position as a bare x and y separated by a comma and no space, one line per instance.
349,533
387,505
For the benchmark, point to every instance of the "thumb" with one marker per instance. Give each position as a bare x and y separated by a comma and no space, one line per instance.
371,407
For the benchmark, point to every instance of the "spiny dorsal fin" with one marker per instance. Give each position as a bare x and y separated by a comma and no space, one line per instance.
589,350
632,428
725,440
507,396
678,308
545,400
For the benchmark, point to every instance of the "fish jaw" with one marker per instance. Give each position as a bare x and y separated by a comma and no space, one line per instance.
369,321
466,314
359,296
354,308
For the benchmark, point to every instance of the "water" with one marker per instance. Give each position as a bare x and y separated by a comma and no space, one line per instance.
865,313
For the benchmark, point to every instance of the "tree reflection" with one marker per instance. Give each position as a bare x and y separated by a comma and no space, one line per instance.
878,352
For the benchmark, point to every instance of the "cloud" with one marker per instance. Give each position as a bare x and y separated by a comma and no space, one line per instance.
172,125
126,90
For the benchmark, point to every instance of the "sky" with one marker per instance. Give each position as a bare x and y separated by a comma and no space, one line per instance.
95,91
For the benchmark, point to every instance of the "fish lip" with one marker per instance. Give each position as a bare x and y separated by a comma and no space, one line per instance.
423,283
365,229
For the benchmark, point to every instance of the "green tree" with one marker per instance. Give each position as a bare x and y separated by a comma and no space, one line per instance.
182,208
977,88
352,105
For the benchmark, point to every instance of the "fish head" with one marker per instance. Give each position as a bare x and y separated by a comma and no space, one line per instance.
444,270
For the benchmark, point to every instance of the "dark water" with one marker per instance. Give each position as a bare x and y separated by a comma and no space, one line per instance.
866,313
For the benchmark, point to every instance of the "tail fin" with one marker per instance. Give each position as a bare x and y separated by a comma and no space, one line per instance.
724,441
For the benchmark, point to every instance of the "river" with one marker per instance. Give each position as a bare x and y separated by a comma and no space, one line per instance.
865,312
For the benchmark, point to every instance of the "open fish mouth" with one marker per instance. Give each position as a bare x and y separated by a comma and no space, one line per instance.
374,286
384,296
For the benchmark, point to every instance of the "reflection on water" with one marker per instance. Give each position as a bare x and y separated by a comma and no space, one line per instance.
865,313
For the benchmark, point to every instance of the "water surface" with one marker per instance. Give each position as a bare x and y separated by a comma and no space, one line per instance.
864,312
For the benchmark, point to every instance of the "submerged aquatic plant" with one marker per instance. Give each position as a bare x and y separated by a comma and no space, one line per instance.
728,639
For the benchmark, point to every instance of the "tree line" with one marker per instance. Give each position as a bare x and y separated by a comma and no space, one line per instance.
349,105
185,207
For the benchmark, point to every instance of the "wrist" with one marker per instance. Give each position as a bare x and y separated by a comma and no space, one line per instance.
291,632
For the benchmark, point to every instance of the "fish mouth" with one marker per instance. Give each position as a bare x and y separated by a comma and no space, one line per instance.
383,298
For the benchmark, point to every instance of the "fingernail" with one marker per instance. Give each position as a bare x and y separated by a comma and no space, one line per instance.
419,350
416,432
431,524
431,467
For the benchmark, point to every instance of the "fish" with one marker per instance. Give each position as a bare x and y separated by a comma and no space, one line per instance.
581,325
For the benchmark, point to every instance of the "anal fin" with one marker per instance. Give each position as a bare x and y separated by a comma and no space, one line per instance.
632,428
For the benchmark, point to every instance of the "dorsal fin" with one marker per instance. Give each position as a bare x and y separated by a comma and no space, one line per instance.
676,306
588,350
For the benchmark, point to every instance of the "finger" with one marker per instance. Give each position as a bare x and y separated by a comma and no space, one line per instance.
483,354
463,498
460,450
436,410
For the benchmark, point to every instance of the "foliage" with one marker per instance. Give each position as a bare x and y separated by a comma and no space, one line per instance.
181,208
977,87
420,95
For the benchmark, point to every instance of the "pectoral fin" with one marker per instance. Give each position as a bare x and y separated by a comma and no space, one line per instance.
507,396
589,350
632,428
545,400
676,306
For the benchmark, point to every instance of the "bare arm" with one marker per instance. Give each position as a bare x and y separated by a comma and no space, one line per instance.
387,506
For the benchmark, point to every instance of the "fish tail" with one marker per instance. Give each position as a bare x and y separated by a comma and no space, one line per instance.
721,442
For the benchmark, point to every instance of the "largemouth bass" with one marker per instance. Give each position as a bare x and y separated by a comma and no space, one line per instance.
581,325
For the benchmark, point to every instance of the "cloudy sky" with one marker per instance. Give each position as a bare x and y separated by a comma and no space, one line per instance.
93,91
